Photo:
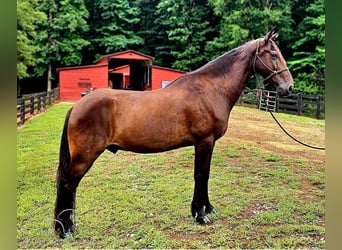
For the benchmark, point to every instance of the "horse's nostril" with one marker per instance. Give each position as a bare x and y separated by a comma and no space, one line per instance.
291,88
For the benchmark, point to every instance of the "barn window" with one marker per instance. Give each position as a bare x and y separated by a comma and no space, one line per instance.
84,84
165,83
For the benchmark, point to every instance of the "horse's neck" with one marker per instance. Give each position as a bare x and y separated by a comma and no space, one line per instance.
227,74
234,77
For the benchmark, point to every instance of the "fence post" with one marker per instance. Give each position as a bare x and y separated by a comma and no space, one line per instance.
44,102
56,94
39,103
22,111
259,98
49,98
318,109
241,97
299,103
32,105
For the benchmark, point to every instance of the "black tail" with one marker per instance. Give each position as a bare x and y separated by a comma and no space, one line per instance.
64,153
65,200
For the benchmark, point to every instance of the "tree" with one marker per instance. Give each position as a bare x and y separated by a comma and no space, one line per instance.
161,23
111,26
187,26
27,15
308,61
147,28
245,20
61,35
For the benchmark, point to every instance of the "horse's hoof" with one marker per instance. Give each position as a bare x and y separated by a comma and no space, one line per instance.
64,235
202,220
210,210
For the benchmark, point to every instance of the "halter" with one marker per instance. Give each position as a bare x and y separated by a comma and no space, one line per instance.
273,72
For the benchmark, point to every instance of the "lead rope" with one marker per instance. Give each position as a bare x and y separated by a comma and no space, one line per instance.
283,129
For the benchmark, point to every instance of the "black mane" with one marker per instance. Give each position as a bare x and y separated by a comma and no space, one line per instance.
223,62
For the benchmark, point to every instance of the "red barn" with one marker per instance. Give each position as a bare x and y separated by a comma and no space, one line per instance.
75,80
124,70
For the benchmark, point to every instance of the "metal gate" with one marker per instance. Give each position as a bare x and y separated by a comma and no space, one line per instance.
271,100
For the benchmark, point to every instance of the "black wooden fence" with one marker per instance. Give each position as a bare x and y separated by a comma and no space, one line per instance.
301,104
298,104
33,104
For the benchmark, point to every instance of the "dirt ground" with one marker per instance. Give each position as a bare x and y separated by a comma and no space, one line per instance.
258,127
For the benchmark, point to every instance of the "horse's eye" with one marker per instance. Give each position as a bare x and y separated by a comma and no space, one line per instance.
274,56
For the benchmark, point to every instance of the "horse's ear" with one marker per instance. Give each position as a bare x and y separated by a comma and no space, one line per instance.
271,35
274,36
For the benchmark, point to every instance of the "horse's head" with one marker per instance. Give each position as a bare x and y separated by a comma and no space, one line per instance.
270,64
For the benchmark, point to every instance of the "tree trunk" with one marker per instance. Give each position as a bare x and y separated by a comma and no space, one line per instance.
49,75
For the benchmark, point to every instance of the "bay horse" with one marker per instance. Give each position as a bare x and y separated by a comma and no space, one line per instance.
192,111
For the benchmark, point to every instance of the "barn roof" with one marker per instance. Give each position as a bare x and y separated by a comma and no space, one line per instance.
82,67
126,55
169,69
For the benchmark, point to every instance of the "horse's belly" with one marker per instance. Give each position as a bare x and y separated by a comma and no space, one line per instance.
141,146
150,139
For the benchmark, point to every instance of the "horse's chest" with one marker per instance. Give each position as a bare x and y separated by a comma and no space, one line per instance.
209,127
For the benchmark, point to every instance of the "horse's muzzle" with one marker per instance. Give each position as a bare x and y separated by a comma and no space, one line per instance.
285,90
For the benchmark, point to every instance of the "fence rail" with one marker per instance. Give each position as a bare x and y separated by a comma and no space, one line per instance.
298,104
33,104
301,104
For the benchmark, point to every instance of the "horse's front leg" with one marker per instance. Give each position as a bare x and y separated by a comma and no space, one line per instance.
200,205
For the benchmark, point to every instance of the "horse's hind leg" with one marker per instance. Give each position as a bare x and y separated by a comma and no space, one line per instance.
67,183
74,162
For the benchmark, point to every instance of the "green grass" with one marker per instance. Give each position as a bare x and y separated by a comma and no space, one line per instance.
265,197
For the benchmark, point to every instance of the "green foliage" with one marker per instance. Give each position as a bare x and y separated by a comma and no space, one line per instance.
179,33
27,15
309,50
61,37
187,27
112,26
148,27
246,20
